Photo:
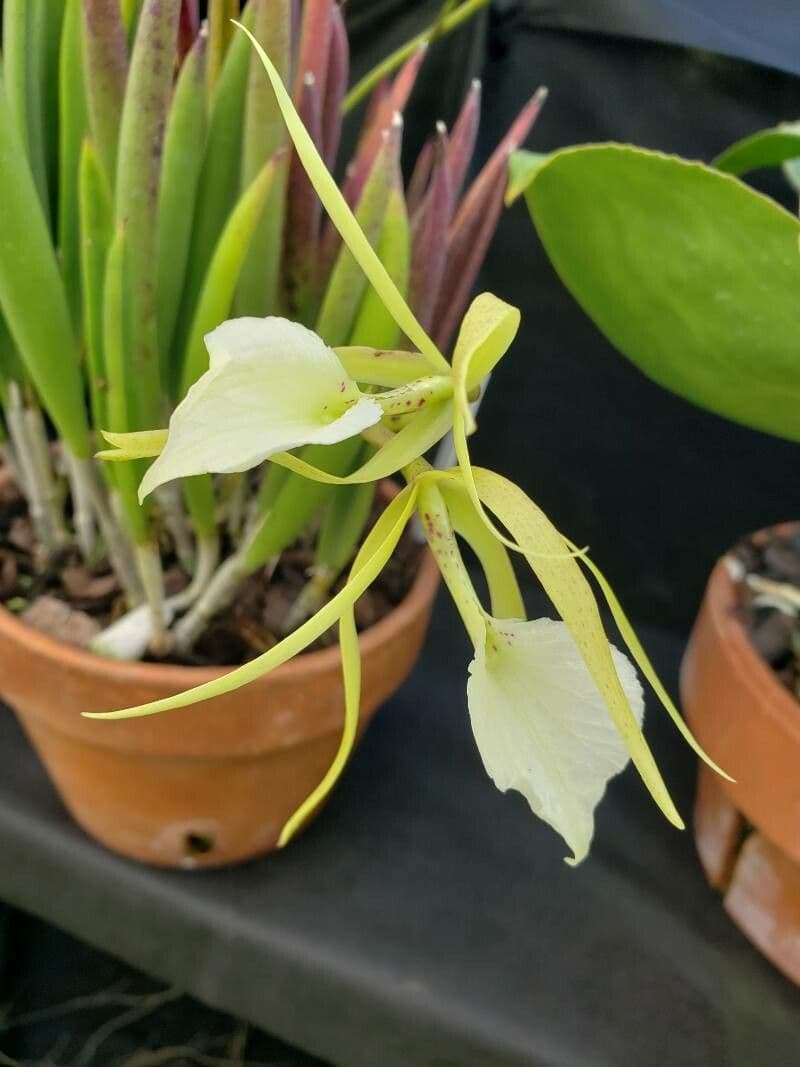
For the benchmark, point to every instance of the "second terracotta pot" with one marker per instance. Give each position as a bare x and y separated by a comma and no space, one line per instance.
747,831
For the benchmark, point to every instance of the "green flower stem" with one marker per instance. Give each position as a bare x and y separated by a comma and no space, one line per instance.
409,398
451,21
442,542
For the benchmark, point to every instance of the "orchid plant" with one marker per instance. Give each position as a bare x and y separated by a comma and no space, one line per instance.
556,710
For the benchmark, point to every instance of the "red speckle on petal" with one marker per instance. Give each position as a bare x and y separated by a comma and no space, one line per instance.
342,387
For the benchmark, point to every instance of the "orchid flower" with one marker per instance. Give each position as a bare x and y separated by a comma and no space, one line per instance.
556,710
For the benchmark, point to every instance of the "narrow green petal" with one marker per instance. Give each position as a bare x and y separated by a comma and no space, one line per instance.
378,548
141,444
635,648
379,366
569,591
342,217
415,438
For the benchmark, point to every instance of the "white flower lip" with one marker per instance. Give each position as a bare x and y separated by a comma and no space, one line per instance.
272,385
541,726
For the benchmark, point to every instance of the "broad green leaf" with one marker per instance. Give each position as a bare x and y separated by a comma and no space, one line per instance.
522,166
504,592
690,273
412,441
216,296
184,142
567,588
271,385
635,648
541,726
32,295
377,549
22,57
342,217
767,148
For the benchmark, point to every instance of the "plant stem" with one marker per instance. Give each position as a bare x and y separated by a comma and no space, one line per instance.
82,510
19,432
117,546
148,564
170,500
437,29
42,457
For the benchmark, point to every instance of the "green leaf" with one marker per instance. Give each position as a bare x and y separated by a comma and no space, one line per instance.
567,588
690,273
32,294
342,218
216,296
106,59
96,231
376,552
219,186
522,166
144,115
72,127
184,143
117,349
374,325
767,148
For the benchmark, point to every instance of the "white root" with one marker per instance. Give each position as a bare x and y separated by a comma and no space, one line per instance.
30,482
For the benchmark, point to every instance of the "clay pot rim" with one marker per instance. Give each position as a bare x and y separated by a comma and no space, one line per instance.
744,660
180,677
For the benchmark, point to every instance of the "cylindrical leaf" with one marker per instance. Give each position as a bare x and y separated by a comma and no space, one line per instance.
106,57
96,229
184,144
72,127
32,293
139,167
374,325
429,238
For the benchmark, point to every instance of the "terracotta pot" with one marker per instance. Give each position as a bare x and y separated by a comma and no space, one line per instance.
747,832
208,785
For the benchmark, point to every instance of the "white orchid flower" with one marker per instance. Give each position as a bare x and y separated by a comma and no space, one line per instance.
272,385
541,725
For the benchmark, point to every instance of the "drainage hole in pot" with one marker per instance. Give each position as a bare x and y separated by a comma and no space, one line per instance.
197,844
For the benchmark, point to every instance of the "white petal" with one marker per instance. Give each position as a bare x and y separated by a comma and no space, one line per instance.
271,386
541,725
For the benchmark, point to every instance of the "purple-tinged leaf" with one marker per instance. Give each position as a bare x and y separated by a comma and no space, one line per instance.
429,236
475,223
420,176
335,88
188,27
315,45
106,52
303,212
463,136
370,142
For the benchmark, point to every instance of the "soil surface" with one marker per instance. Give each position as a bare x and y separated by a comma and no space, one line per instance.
72,602
770,601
